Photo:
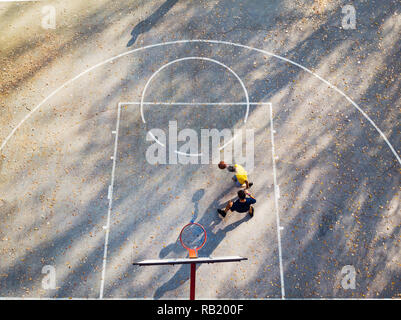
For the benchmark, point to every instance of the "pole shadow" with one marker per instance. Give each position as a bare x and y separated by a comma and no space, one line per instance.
176,246
208,221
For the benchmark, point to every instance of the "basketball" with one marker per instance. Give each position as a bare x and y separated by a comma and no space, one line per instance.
222,165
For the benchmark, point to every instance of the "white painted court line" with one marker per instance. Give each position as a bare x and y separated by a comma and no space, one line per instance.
200,41
195,103
185,59
202,59
110,191
276,190
21,0
276,197
109,60
147,299
110,197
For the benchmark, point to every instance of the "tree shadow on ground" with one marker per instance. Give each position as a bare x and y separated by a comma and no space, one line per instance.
148,23
328,240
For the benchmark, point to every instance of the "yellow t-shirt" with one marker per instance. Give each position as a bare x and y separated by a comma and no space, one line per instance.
240,173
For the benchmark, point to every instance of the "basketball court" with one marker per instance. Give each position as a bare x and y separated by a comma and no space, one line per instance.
79,193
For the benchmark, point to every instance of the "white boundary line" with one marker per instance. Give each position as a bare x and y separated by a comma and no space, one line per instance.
276,187
276,197
201,41
195,103
150,299
110,197
10,1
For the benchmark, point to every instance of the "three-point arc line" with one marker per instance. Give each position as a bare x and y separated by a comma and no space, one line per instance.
208,42
183,42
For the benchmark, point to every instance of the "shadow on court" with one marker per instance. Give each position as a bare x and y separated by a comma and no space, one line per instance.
176,246
148,23
335,194
209,220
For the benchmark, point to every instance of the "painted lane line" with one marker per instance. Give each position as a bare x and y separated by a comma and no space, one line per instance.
106,241
110,191
276,197
21,0
194,103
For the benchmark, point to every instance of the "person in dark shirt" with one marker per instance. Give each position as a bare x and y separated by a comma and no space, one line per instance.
242,204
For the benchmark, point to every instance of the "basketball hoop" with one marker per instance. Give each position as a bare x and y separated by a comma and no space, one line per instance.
193,237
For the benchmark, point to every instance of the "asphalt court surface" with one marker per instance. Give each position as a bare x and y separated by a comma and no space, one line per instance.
337,179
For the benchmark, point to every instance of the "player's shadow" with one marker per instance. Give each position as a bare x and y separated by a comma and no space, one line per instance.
176,246
148,23
195,199
209,220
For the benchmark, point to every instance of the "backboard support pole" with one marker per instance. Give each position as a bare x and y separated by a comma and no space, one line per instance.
192,282
193,262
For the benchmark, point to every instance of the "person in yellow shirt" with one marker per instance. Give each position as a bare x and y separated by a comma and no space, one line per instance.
240,177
